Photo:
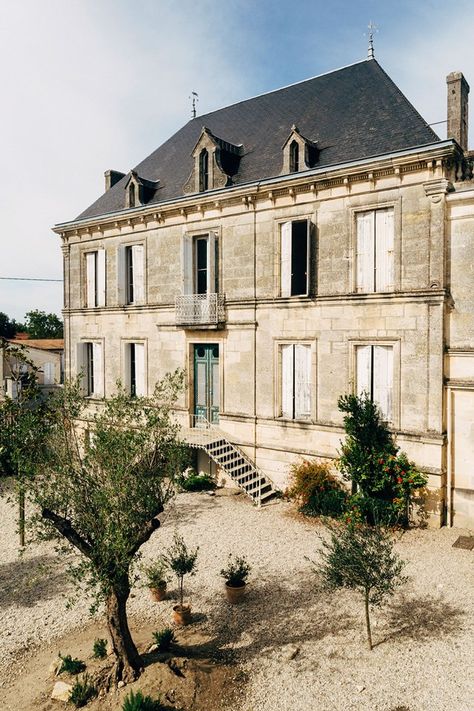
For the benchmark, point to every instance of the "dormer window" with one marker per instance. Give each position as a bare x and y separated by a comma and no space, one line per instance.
132,195
138,190
203,170
294,157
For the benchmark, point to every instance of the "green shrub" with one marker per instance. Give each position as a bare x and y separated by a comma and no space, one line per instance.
197,482
138,702
237,570
315,489
156,573
82,692
99,650
164,639
70,665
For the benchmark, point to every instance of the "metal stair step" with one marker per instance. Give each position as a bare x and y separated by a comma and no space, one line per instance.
243,464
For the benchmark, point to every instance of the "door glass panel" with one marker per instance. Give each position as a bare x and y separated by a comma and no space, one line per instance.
215,385
201,384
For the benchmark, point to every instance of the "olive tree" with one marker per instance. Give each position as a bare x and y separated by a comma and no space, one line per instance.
102,488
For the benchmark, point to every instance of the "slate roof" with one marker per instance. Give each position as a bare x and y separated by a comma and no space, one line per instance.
353,113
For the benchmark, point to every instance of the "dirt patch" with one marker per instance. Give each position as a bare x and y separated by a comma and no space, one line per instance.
191,677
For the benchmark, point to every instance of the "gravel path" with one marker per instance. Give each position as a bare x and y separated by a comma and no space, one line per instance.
298,648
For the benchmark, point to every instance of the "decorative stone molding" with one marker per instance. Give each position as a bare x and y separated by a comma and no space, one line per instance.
307,152
437,188
223,161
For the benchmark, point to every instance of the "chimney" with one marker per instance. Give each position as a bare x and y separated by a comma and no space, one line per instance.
113,176
458,91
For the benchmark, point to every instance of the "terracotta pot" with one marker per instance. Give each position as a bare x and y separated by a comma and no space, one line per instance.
235,593
158,594
182,614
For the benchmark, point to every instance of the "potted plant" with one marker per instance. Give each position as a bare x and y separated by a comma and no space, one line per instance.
235,575
182,562
157,578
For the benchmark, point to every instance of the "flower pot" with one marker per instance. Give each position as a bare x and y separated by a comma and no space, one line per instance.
182,614
158,593
235,593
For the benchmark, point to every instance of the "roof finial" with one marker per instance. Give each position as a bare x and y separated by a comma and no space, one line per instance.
195,99
372,29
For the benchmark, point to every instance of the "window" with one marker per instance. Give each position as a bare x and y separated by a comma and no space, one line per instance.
48,373
90,362
375,232
132,195
131,274
295,253
374,369
95,278
203,170
199,264
294,157
135,369
295,381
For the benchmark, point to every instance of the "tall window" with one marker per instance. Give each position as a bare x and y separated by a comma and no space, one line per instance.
95,278
203,170
135,368
296,381
295,252
294,157
90,363
134,279
374,366
375,233
199,264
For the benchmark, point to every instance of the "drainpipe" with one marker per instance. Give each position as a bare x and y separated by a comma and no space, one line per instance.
449,470
255,337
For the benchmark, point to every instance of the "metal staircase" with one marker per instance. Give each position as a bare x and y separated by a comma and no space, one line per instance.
240,468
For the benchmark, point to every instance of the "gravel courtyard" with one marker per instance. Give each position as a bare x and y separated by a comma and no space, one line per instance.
298,648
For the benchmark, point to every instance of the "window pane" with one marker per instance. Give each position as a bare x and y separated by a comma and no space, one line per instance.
201,266
299,258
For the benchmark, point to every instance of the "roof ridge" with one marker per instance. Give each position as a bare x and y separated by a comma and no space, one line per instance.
281,88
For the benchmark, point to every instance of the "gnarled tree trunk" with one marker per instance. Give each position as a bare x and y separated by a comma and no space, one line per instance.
129,664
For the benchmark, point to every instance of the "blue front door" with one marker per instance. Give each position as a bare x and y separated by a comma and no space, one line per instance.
206,382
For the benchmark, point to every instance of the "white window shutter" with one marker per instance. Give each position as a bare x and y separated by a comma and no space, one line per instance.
138,261
211,264
287,368
121,275
81,365
302,381
383,379
363,365
365,252
384,250
90,279
98,369
187,265
48,374
285,271
140,380
101,277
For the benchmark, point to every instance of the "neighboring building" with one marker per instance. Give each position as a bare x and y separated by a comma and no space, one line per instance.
47,354
284,250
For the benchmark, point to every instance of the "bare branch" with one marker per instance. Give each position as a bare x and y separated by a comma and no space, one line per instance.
63,525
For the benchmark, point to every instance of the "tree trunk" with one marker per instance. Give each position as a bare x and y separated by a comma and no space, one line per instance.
367,619
21,517
129,664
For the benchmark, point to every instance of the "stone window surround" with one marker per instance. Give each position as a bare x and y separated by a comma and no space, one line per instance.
124,342
142,240
84,250
395,343
203,232
277,377
82,343
277,222
188,365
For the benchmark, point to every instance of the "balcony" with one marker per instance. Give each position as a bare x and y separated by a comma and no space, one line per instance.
200,310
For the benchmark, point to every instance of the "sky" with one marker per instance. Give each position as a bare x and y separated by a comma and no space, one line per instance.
89,85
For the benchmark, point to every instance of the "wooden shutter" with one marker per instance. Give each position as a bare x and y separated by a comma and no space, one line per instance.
91,279
48,373
285,262
287,369
211,264
363,366
384,250
140,380
81,365
302,379
383,379
365,252
121,275
138,265
100,265
187,265
98,369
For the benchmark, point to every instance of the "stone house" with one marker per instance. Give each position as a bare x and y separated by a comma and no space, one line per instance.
47,354
284,250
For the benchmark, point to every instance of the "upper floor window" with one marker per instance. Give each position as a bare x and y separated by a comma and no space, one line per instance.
294,157
375,261
199,264
135,369
374,373
95,278
132,195
296,381
131,273
90,362
295,254
203,170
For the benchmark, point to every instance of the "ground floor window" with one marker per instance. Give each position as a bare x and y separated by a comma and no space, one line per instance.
295,381
374,369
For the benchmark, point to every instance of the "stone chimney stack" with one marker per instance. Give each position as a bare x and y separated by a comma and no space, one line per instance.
458,92
113,176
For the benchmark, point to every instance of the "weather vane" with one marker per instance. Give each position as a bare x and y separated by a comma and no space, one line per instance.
195,98
372,30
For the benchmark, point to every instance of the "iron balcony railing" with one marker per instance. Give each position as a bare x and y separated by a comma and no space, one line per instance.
200,309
